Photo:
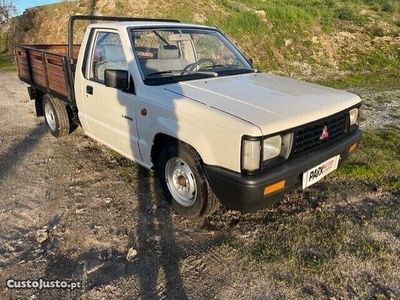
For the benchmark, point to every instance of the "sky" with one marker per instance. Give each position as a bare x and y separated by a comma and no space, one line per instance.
24,4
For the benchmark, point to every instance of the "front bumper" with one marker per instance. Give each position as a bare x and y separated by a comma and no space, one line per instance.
246,192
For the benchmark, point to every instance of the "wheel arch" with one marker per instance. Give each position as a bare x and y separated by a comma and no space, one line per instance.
159,141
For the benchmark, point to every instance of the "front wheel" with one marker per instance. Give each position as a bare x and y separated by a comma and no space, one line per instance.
184,183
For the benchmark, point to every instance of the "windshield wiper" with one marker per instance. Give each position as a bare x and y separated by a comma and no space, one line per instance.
233,66
182,73
164,72
238,71
210,73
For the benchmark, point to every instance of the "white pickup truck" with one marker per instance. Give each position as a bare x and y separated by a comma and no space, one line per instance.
182,100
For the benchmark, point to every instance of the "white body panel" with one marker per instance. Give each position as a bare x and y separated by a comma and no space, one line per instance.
211,115
271,102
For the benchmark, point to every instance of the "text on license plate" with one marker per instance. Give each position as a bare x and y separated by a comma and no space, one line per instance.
317,173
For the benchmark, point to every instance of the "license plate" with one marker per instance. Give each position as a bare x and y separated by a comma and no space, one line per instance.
317,173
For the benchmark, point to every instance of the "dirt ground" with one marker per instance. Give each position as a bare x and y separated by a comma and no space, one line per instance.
71,209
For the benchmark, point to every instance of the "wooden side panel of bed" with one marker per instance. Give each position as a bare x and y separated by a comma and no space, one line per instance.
45,66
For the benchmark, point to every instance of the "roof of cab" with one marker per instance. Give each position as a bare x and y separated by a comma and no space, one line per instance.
146,24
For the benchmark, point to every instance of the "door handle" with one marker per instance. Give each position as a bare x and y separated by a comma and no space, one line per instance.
127,117
89,89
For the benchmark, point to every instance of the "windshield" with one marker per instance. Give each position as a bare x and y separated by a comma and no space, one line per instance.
171,55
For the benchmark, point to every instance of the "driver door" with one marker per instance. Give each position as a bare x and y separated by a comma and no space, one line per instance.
109,112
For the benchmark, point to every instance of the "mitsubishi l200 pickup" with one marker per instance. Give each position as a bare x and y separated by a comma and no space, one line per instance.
182,100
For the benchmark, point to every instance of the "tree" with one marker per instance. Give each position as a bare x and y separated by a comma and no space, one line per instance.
7,10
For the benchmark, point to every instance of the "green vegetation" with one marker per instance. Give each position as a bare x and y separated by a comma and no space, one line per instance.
280,31
395,115
311,39
376,81
368,248
312,245
3,42
182,11
243,22
7,63
377,60
377,160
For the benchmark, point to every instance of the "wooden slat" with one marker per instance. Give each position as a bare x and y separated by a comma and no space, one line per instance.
57,49
43,65
55,73
38,68
21,57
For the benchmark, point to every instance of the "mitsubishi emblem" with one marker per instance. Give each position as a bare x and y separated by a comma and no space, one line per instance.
325,134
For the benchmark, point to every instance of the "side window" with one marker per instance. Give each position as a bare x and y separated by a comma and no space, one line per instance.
107,53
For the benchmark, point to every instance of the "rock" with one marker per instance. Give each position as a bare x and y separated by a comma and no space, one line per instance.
42,236
132,253
288,42
260,13
314,40
80,211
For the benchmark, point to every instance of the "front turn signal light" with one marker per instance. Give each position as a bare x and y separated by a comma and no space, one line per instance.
352,147
272,188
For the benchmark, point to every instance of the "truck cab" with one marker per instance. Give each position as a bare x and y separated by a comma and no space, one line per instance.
182,100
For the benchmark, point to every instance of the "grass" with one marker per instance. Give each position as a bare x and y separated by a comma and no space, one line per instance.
7,63
377,160
243,22
183,12
304,248
395,115
262,29
377,81
384,59
365,247
381,99
274,33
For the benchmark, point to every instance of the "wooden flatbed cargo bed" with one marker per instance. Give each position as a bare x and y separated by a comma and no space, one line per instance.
46,68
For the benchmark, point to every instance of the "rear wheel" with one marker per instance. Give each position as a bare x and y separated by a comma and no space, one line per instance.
184,182
56,116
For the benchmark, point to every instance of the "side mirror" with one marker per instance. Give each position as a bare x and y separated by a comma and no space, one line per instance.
117,79
250,60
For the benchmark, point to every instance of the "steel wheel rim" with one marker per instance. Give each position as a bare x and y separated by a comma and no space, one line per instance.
181,181
50,116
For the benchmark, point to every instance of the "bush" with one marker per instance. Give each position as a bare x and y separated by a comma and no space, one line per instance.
377,31
350,14
345,13
390,6
331,3
3,43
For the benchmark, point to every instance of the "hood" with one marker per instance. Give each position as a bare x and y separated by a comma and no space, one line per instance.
271,102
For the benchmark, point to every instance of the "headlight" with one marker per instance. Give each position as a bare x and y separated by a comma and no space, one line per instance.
257,150
272,147
354,116
251,154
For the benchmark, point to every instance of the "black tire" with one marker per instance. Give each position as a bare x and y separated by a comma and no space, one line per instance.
205,202
59,112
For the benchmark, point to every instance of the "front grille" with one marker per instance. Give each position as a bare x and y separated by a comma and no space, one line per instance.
308,137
